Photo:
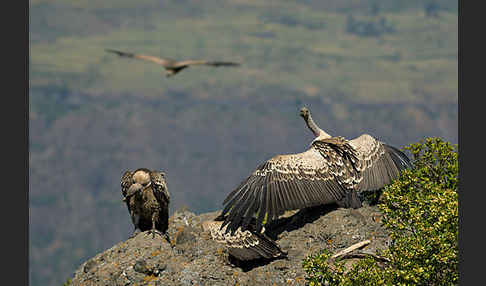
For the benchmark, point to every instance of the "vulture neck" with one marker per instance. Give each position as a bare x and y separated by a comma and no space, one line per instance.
318,132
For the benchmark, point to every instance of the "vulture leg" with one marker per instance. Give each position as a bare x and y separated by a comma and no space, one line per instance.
135,219
166,235
154,230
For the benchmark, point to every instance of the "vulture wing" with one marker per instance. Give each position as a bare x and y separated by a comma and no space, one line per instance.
323,174
157,60
379,163
126,182
202,62
159,187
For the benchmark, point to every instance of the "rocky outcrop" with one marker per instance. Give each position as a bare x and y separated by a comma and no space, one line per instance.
193,258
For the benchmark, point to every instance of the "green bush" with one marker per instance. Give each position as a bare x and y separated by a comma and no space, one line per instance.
420,211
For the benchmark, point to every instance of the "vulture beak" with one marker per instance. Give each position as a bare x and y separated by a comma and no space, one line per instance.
134,188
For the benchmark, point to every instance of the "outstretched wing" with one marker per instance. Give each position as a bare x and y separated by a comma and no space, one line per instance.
157,60
379,163
202,62
159,187
321,175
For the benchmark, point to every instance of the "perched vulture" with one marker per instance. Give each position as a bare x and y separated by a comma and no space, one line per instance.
332,170
147,198
171,66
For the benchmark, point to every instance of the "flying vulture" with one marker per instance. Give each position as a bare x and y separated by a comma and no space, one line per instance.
172,66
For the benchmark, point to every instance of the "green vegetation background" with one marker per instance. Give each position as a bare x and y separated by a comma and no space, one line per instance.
387,68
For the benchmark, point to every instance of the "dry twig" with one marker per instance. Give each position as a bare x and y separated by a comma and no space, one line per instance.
351,248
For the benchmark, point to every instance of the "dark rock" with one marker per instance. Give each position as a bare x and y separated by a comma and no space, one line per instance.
142,267
90,264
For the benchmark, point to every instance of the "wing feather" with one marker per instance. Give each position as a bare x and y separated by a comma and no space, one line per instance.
282,192
204,62
321,175
159,188
295,194
263,205
244,201
379,163
157,60
253,205
126,182
244,245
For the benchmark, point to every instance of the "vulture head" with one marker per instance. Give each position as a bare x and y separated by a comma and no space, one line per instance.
140,180
141,177
304,112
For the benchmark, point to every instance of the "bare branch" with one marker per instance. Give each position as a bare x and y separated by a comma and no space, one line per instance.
351,248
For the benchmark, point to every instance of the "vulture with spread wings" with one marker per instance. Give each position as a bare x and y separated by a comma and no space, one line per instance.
147,197
332,170
172,66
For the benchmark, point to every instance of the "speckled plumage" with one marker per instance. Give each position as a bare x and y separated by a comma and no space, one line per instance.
332,170
147,198
379,163
244,245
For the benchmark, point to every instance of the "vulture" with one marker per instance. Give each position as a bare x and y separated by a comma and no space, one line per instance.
331,170
147,198
172,66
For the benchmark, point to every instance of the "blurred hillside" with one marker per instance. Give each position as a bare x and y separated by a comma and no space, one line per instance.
387,68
